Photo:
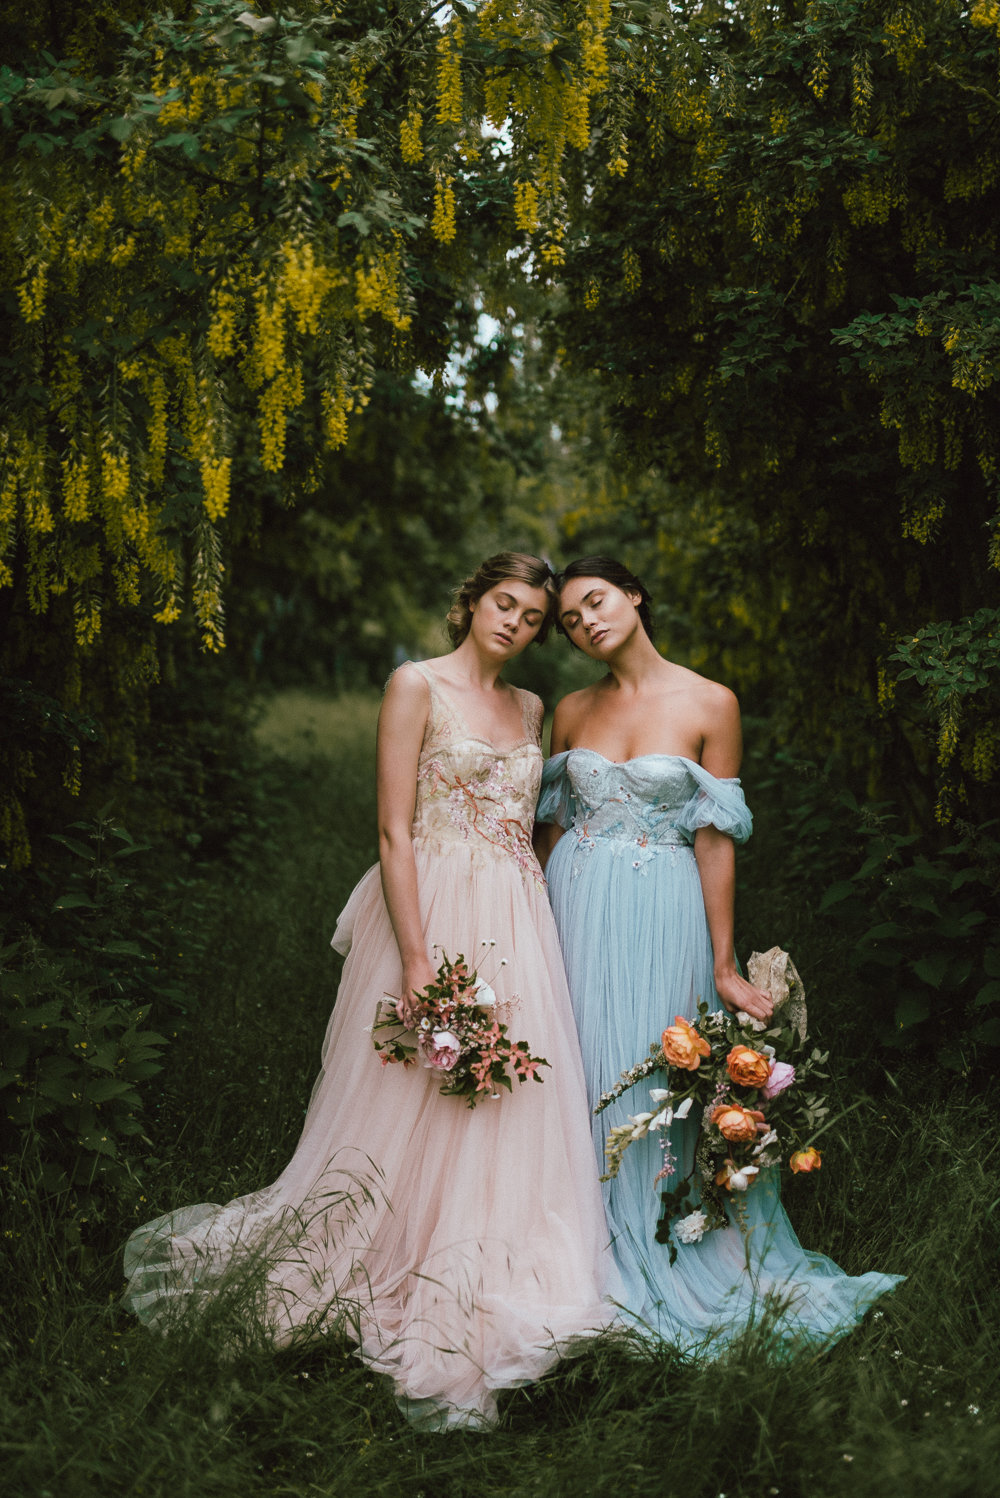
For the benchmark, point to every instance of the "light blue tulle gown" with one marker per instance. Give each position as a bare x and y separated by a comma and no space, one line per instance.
628,904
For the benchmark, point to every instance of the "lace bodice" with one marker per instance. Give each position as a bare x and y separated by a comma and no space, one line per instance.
471,793
645,806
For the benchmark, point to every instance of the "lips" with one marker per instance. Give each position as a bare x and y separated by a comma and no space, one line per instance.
597,636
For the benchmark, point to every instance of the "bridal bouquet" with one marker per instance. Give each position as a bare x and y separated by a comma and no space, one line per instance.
747,1080
452,1027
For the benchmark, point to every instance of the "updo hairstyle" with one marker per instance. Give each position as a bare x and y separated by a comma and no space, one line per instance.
495,570
612,572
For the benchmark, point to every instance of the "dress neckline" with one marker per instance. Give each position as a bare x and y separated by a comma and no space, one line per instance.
434,681
636,759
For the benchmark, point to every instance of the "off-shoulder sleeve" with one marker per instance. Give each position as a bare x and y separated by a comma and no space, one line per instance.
716,803
556,802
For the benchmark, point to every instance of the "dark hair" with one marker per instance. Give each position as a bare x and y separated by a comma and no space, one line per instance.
517,564
611,572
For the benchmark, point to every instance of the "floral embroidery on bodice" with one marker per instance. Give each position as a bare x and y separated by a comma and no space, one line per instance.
644,807
470,792
634,804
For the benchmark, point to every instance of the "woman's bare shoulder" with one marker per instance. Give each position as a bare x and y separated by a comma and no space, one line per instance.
572,711
407,688
712,695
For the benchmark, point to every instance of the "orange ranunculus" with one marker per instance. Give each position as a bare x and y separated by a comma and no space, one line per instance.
736,1123
748,1068
683,1046
809,1159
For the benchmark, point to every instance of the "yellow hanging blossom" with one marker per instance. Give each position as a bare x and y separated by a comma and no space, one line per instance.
631,270
449,75
411,146
31,294
86,621
443,218
819,74
335,407
76,487
526,206
215,476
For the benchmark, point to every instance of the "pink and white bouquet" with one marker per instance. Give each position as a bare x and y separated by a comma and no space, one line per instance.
453,1027
746,1081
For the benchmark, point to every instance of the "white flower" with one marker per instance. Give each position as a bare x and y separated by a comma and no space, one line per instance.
740,1179
691,1229
769,1138
484,994
683,1109
659,1094
640,1124
663,1119
748,1019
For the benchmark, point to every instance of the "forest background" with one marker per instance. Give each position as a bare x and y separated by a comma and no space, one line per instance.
310,308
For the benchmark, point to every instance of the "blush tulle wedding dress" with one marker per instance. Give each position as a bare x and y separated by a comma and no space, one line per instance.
464,1250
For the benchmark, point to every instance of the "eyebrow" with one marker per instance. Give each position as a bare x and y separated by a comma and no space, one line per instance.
530,609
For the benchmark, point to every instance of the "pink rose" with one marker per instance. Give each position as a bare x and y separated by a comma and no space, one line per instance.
782,1075
439,1050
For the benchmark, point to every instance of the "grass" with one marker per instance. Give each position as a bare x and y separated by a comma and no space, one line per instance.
94,1404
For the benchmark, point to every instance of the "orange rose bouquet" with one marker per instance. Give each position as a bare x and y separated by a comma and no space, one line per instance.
745,1087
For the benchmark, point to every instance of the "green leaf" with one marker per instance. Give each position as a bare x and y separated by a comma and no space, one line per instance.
837,892
122,949
912,1009
261,25
932,969
74,901
988,995
355,220
300,48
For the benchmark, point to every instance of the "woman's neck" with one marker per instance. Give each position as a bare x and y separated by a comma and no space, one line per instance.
473,669
638,661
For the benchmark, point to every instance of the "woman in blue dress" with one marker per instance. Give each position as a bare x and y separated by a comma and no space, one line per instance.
643,783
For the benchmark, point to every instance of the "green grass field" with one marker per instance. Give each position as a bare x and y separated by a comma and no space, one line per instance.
94,1405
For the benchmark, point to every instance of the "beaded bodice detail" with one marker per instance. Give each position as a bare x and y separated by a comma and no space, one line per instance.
470,792
636,803
647,806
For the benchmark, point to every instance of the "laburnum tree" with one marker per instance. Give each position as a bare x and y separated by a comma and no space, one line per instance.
217,225
791,300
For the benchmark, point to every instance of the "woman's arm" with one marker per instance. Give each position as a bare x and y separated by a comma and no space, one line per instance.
722,750
545,835
400,734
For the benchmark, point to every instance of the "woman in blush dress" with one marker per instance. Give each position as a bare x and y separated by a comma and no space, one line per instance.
465,1250
642,782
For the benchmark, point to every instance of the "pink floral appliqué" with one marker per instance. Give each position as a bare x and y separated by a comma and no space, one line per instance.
476,809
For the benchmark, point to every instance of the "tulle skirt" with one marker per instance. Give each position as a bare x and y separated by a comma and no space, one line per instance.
637,950
465,1250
